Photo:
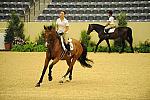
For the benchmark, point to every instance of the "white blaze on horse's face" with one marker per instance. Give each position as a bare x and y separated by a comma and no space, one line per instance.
46,44
46,38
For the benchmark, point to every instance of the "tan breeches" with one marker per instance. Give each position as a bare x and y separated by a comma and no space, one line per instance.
110,26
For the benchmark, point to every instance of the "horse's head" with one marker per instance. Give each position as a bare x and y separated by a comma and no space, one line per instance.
90,29
49,34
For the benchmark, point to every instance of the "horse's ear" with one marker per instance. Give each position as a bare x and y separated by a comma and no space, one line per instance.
89,25
49,27
45,27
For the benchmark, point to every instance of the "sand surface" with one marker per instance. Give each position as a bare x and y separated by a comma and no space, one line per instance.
113,77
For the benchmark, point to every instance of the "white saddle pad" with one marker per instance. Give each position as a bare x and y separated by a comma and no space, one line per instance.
70,43
111,30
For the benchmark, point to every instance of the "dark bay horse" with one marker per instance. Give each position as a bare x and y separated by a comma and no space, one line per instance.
124,33
55,52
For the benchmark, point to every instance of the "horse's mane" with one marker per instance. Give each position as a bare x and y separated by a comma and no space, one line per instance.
50,27
98,25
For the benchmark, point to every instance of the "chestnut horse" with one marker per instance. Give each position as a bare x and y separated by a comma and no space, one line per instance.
55,52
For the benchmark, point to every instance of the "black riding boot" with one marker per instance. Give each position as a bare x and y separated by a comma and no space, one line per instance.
106,33
68,49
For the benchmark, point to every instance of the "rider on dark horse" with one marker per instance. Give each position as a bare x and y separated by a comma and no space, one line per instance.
110,23
62,27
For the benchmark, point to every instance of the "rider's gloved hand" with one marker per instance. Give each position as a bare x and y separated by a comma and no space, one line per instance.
60,32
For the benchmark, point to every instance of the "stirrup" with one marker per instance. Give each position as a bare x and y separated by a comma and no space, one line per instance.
106,31
69,53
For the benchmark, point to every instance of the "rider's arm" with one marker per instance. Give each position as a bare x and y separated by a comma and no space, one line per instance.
66,29
109,21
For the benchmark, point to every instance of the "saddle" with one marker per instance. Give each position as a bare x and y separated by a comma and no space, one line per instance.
110,30
69,45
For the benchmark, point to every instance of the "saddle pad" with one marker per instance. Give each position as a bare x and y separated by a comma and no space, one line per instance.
111,30
70,43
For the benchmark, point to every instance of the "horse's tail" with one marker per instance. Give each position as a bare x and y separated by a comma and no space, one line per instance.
83,58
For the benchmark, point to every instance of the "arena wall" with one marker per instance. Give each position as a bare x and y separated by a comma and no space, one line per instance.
141,30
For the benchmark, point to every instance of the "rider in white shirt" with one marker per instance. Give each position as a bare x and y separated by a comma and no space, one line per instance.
62,27
110,23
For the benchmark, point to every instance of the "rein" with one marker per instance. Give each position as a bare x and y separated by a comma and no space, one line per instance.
51,44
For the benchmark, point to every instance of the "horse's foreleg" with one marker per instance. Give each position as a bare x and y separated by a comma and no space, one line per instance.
43,72
98,44
50,72
50,68
107,41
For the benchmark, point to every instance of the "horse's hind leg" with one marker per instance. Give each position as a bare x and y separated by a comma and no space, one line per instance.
70,64
130,42
69,70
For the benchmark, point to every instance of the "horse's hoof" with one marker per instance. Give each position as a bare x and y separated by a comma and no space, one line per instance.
61,81
37,85
50,78
120,52
68,80
109,51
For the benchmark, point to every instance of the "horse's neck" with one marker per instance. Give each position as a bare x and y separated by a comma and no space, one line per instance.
99,28
55,44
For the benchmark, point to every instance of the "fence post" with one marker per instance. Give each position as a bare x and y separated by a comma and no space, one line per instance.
24,17
29,15
39,4
34,7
